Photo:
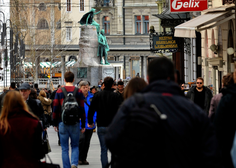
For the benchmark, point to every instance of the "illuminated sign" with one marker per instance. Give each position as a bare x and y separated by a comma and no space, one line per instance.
165,42
188,5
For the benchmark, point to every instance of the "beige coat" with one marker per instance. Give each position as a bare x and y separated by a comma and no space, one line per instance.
46,103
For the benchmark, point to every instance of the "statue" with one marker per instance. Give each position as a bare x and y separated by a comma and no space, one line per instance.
88,19
102,47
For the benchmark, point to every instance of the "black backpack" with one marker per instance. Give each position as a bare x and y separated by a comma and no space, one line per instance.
70,108
142,143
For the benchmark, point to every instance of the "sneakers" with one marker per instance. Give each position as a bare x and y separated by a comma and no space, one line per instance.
73,166
85,162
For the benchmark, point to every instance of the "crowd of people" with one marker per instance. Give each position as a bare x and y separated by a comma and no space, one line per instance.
143,124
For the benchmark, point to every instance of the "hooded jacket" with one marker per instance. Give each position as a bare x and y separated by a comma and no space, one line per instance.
225,123
208,97
191,143
46,103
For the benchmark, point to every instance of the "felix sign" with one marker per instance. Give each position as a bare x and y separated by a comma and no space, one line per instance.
188,5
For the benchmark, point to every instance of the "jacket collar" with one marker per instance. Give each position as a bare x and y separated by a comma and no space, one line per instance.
163,86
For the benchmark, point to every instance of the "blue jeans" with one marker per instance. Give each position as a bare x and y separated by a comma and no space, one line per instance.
101,135
72,132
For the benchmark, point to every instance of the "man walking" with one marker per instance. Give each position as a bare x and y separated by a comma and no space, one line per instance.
200,95
68,131
84,141
106,103
170,131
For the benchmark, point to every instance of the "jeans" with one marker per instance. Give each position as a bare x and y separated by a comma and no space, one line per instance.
72,132
101,135
84,143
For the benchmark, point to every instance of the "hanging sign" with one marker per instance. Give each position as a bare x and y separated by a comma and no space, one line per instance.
188,5
165,43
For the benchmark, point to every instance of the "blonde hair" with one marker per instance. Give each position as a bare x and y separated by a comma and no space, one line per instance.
12,101
42,93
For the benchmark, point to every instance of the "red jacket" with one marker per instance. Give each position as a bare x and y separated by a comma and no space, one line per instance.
21,146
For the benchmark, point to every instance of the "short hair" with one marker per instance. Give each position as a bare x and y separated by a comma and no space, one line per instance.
161,68
228,79
69,76
13,85
36,86
33,94
200,78
42,93
120,83
108,82
88,83
58,86
83,83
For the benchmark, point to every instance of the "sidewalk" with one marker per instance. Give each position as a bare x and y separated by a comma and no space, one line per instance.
93,154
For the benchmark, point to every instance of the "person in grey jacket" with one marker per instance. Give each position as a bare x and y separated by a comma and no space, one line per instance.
200,95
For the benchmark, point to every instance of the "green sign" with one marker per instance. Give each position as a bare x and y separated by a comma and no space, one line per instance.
165,42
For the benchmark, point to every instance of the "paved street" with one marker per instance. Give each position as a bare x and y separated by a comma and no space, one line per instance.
93,154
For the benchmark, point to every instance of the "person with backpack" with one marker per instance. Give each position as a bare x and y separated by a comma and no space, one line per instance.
160,127
68,109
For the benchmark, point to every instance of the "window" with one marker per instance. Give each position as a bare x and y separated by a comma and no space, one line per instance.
42,24
59,6
81,5
145,24
137,24
106,24
68,5
105,2
42,7
68,33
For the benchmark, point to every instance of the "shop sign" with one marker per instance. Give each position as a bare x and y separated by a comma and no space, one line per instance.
166,43
188,5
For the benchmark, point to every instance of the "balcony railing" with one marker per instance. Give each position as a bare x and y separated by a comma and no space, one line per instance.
104,3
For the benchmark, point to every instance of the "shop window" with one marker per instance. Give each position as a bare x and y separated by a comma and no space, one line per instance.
135,67
106,24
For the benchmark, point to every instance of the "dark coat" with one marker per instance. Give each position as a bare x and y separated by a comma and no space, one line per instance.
106,103
208,97
85,16
225,123
22,145
35,107
192,142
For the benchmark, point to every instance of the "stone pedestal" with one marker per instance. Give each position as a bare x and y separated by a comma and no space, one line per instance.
88,66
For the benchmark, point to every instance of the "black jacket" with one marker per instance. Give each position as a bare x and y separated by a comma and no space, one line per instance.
35,108
225,123
208,97
192,142
106,103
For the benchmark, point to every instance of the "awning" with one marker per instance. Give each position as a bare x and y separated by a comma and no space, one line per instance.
70,63
202,22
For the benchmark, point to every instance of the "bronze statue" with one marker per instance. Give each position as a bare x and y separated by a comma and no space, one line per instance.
88,19
102,47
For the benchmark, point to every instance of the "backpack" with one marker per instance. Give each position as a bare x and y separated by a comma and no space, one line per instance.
142,142
70,108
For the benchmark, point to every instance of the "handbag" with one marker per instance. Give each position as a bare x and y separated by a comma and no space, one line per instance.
46,145
48,165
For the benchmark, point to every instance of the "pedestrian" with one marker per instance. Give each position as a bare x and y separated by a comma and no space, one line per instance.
84,141
200,95
135,85
33,105
227,80
179,134
67,131
46,103
36,86
102,86
12,87
93,90
120,89
225,118
20,134
106,104
100,83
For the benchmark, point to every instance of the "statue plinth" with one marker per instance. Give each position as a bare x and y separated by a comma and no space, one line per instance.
88,65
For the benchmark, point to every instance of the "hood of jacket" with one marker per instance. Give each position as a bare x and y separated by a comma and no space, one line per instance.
45,101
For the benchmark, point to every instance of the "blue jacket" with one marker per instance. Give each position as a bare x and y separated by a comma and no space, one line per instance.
88,99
